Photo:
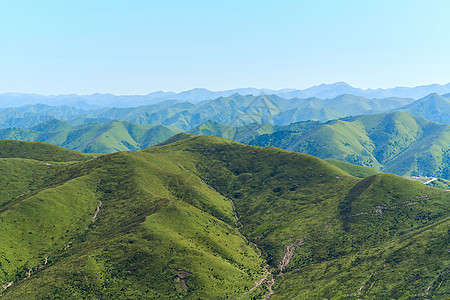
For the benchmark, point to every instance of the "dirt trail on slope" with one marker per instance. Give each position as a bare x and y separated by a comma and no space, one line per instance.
261,281
270,284
95,217
267,270
7,285
288,254
258,282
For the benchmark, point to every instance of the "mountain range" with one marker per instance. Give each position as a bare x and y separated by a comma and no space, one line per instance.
233,110
93,137
201,217
240,194
324,91
396,142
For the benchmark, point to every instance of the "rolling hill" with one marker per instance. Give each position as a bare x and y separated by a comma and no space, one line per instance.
296,110
205,217
239,109
433,107
354,170
396,142
93,137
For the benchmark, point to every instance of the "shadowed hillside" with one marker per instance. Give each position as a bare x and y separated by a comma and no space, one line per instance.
433,107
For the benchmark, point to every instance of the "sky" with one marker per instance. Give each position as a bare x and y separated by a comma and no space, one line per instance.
137,47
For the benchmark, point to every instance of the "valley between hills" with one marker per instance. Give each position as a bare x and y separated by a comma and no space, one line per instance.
210,218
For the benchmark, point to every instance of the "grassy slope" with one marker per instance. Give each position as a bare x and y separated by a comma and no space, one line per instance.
159,228
433,107
354,170
442,184
41,207
39,151
20,177
236,133
396,142
281,197
166,221
109,137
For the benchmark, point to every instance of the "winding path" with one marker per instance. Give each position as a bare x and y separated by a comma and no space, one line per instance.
430,181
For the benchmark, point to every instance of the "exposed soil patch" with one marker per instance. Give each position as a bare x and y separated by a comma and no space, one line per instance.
289,252
180,280
95,217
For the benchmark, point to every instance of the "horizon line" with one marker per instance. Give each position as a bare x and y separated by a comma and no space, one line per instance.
227,90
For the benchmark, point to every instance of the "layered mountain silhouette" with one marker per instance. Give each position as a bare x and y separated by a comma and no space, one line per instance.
396,142
325,91
234,110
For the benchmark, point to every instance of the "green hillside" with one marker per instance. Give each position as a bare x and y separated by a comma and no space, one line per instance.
147,242
396,142
296,110
39,151
238,133
432,107
107,137
245,109
188,219
354,170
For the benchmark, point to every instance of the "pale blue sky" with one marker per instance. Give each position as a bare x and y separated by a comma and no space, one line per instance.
136,47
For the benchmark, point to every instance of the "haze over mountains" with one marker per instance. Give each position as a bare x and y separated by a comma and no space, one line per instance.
399,143
432,107
236,109
92,137
324,91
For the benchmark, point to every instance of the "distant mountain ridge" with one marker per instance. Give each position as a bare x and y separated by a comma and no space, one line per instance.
226,110
93,137
232,110
324,91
